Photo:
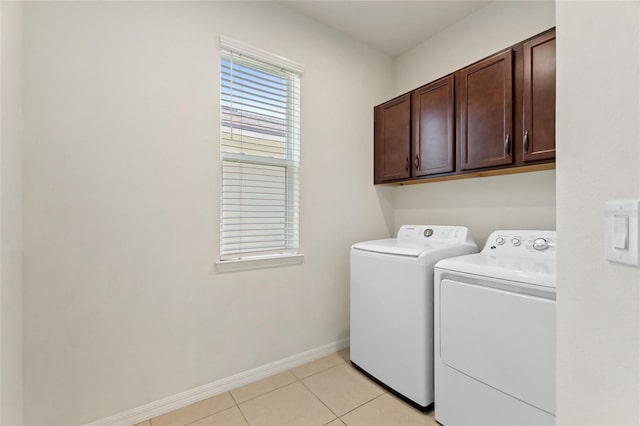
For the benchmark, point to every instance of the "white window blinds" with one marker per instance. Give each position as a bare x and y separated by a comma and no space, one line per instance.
260,153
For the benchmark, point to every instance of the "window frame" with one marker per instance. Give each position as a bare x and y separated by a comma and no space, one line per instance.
251,259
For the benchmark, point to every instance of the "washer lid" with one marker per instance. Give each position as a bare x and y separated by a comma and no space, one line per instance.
395,247
415,240
530,270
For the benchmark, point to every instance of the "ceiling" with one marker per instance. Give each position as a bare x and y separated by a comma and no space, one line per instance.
390,26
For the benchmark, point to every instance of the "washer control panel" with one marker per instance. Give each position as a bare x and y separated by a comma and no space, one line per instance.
522,243
436,233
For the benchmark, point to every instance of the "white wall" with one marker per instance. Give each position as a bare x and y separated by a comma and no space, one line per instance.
122,305
518,201
483,204
11,214
495,27
598,105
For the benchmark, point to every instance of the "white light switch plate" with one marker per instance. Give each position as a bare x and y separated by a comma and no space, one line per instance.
621,232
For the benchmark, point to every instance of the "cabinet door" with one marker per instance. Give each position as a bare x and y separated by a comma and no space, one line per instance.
433,134
392,139
485,105
539,98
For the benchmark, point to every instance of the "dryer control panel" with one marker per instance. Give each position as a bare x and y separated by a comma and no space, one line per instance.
522,243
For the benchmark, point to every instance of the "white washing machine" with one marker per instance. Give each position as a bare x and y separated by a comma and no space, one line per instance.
495,333
392,306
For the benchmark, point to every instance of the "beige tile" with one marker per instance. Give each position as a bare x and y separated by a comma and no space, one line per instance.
336,422
145,423
317,366
261,387
195,411
387,410
342,388
229,417
345,354
291,405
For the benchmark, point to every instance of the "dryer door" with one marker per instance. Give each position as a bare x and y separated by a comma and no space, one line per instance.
501,338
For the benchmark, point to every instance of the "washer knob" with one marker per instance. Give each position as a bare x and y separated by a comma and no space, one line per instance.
540,244
515,242
499,241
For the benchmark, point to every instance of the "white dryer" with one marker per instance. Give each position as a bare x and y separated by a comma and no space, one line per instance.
495,333
392,306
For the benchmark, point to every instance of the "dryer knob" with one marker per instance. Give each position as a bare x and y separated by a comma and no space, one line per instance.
499,241
515,242
540,244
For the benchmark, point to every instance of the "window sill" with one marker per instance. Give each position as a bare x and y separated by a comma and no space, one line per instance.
259,263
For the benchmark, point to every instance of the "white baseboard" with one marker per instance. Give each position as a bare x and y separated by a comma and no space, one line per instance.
165,405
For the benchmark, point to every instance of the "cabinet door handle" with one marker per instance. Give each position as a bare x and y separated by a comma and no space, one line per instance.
526,141
417,162
406,166
507,146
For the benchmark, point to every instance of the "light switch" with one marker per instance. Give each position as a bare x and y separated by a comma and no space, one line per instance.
622,232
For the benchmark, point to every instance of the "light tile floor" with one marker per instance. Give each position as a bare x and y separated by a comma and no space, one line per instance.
328,391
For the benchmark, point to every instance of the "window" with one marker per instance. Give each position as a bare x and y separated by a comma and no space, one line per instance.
259,152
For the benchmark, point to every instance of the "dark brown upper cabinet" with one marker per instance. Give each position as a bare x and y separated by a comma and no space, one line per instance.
539,98
496,116
485,108
392,136
433,128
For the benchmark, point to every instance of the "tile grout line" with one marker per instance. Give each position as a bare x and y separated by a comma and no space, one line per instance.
321,401
321,371
263,394
297,379
214,413
266,393
364,403
384,392
238,407
339,417
242,414
233,397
